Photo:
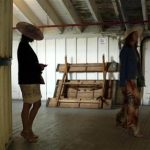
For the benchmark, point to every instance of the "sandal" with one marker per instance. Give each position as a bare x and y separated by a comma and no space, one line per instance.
138,134
135,131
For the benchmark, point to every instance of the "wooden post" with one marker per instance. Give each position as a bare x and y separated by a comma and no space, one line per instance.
5,72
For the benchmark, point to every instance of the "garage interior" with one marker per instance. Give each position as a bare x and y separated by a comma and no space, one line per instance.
83,31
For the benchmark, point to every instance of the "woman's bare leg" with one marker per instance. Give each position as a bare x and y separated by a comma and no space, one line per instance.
25,116
33,113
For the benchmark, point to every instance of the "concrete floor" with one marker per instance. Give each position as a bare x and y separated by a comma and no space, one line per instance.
79,129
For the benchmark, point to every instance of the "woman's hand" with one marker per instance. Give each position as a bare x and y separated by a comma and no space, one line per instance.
42,66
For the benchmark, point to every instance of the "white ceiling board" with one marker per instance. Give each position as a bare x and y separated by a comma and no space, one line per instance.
37,9
61,11
70,11
19,15
55,19
27,12
94,11
66,12
15,20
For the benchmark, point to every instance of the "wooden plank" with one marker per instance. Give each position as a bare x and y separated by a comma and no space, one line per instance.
91,103
82,85
81,67
79,101
91,86
69,101
69,105
92,82
92,67
97,93
72,93
85,94
87,105
80,92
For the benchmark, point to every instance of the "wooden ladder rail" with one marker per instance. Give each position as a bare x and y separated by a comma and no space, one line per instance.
104,80
65,77
102,98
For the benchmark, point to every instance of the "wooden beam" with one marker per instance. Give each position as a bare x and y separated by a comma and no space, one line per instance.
122,13
115,7
144,11
71,12
51,13
27,12
94,11
17,12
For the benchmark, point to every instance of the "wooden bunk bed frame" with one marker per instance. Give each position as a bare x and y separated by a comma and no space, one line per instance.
83,93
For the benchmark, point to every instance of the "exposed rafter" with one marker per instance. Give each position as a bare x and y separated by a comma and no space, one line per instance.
122,13
94,11
27,12
51,13
144,11
115,7
19,14
74,16
69,10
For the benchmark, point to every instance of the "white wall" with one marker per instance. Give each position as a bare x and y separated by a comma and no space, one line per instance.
146,91
78,50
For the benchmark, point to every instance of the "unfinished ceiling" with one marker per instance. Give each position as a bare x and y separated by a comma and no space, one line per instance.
82,16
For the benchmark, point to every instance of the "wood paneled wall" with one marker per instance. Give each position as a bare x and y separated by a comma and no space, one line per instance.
86,49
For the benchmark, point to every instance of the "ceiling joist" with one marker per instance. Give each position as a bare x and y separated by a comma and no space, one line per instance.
54,19
94,11
144,11
23,7
70,11
115,7
122,13
81,16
